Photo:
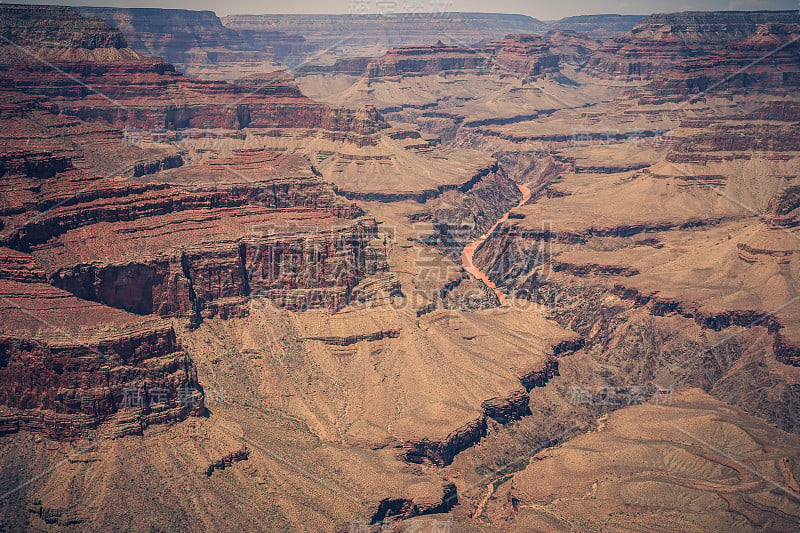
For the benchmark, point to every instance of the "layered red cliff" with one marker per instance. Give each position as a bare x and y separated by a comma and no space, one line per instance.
660,41
94,254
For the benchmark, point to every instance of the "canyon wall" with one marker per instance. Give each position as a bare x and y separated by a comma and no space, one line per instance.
88,269
390,30
197,42
63,377
660,41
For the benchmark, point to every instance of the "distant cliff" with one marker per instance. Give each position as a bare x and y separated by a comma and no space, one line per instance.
190,38
527,55
56,26
348,31
660,41
709,26
597,25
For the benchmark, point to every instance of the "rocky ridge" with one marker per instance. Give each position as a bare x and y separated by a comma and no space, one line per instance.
658,237
197,43
660,41
63,377
93,303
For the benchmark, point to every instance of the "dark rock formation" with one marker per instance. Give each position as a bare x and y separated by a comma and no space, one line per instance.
61,378
499,410
403,508
226,461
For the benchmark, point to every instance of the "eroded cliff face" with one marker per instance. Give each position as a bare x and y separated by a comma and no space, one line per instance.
457,221
526,55
600,495
631,279
597,25
63,377
198,44
101,79
720,71
90,244
72,367
103,236
291,269
660,230
58,26
174,35
660,41
161,99
384,31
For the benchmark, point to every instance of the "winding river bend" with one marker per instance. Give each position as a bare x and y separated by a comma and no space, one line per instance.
469,249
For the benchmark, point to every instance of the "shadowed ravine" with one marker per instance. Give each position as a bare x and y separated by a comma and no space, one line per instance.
469,250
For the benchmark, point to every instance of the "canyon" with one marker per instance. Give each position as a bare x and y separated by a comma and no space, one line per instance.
468,253
418,272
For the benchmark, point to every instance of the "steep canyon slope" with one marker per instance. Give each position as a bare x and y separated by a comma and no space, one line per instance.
244,305
186,272
660,229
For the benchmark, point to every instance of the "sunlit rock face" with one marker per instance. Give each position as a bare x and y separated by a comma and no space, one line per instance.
470,272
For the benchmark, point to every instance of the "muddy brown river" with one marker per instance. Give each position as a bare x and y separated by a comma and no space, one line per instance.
469,250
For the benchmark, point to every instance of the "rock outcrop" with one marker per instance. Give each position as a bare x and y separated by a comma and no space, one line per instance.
598,26
197,42
660,41
495,410
58,27
63,376
101,79
348,32
104,234
273,237
738,68
391,509
524,55
178,35
426,60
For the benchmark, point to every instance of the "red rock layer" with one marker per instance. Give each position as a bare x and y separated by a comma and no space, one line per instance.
103,80
660,41
767,61
426,60
189,263
63,375
527,55
88,246
571,47
184,36
177,247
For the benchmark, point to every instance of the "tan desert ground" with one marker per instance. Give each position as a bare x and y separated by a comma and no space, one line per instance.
430,271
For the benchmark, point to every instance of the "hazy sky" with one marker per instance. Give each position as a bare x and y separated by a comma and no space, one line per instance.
541,9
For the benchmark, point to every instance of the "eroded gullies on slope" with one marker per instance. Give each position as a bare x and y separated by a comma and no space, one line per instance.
170,234
638,264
